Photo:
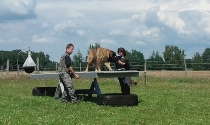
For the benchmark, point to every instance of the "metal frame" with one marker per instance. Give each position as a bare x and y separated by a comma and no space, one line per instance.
94,88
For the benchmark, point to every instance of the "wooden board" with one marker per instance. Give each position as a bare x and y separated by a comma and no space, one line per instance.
98,74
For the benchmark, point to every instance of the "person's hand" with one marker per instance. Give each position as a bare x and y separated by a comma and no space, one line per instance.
76,76
120,62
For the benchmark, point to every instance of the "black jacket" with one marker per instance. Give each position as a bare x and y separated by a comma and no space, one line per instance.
125,60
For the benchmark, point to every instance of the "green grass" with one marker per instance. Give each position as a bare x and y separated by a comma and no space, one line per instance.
162,101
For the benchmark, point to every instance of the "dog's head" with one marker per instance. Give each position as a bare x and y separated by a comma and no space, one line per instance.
112,55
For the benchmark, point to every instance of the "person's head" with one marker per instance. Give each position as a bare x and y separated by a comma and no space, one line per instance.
70,48
121,51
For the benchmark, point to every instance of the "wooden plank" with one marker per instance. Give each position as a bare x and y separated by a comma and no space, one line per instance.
98,74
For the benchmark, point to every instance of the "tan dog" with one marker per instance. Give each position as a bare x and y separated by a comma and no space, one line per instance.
98,55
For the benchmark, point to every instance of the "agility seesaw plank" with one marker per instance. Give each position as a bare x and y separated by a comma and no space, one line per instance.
92,74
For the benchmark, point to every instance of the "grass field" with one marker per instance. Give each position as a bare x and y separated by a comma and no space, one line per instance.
169,97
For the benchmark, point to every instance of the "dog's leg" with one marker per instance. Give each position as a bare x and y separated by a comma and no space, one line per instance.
95,67
98,68
86,70
88,64
107,64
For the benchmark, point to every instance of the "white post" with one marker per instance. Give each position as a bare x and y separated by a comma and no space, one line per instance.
145,65
56,67
7,67
37,64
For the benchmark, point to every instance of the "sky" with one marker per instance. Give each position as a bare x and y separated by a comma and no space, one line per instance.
142,25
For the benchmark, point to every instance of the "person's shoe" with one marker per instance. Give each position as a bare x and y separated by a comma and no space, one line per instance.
64,101
75,102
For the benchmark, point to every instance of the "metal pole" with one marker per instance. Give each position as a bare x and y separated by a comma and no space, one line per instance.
18,62
145,70
185,66
80,67
1,69
17,67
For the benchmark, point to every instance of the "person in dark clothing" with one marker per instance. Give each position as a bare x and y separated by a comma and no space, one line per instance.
66,73
122,63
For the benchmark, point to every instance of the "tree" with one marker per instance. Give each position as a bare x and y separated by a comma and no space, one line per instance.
196,62
206,58
77,58
155,61
189,63
21,56
174,57
12,56
136,59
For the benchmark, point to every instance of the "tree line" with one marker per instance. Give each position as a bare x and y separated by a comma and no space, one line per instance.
172,58
18,57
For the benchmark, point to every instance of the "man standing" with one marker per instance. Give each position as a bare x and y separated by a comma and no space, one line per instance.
66,73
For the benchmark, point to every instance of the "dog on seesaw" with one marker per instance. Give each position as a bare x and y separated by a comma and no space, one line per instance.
97,56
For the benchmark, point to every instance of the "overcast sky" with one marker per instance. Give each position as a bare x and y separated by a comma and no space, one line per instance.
143,25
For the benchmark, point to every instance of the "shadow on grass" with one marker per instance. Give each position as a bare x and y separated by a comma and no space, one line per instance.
50,91
85,98
140,101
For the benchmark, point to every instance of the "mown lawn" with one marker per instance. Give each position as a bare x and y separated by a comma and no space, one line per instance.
162,101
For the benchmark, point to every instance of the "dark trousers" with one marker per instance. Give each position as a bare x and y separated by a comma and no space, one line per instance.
125,87
69,91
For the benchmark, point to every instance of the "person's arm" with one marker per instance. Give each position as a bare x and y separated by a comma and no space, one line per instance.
122,61
116,62
68,65
73,72
127,65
